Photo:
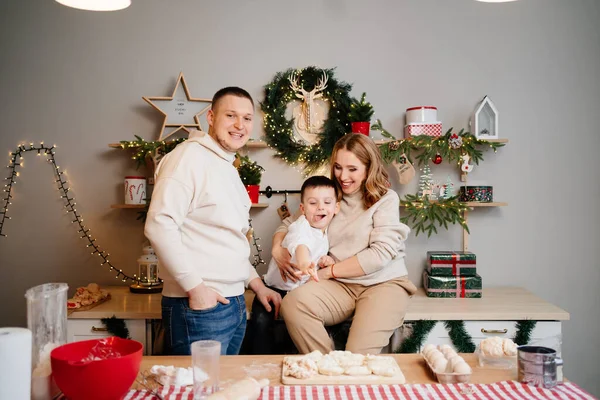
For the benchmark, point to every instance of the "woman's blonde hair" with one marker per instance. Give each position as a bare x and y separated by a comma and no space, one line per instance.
376,183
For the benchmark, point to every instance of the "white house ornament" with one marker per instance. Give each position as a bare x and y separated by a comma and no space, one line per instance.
484,122
406,171
310,115
181,110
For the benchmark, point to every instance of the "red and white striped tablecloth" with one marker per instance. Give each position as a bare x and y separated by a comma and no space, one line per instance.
501,390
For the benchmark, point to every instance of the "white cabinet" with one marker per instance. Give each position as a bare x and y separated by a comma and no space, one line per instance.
85,329
549,331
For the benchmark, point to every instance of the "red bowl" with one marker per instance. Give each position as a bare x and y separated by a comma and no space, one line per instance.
107,375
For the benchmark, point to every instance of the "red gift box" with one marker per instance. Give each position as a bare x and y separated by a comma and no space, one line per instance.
434,129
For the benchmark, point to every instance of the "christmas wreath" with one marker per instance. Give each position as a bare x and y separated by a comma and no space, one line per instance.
279,130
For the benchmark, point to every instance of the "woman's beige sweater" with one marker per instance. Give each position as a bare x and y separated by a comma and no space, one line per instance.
375,235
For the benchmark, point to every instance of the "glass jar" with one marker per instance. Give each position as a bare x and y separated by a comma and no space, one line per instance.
47,320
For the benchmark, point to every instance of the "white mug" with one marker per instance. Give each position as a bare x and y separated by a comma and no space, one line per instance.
135,190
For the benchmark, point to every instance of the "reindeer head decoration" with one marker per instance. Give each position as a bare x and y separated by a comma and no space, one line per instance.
310,116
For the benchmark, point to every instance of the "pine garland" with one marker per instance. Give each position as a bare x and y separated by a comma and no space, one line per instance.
430,146
420,330
149,149
524,329
423,215
116,327
459,336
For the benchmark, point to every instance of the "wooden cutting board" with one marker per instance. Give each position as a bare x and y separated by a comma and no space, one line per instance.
88,307
318,379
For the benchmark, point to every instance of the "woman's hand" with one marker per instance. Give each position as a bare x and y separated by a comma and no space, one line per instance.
283,259
326,261
323,274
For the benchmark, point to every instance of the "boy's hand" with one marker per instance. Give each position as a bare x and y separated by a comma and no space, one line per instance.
307,268
326,261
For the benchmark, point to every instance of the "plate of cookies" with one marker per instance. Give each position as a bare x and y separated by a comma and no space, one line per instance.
445,364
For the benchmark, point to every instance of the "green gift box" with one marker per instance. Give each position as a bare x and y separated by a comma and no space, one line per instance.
452,286
451,263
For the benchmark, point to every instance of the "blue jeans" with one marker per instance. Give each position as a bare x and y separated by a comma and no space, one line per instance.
183,326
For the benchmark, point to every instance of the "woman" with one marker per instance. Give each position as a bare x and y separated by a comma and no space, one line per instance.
368,279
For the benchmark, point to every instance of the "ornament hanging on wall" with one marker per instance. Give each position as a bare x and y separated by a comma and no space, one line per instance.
437,159
426,184
181,110
406,171
465,167
455,141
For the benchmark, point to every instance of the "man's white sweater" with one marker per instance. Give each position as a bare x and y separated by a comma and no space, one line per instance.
198,220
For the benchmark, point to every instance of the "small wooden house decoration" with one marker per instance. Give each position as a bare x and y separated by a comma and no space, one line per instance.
484,122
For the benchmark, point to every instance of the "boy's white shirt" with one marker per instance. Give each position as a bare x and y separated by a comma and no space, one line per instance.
198,220
299,232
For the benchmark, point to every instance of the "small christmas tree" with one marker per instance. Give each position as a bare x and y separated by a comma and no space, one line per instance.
448,189
426,183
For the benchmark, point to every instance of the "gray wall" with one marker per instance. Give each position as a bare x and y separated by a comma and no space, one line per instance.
76,79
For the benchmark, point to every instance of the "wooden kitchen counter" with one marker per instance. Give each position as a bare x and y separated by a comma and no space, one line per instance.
269,366
502,303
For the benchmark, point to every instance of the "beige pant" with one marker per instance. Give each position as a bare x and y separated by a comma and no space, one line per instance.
378,310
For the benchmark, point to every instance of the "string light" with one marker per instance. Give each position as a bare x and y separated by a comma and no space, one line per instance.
66,195
258,260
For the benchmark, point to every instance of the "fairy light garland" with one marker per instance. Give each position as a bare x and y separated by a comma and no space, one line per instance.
258,260
16,160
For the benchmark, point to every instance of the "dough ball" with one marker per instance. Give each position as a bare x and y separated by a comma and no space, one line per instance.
434,355
427,349
440,365
461,368
509,347
454,361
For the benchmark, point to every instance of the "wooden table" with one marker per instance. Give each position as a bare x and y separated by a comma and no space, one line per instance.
269,366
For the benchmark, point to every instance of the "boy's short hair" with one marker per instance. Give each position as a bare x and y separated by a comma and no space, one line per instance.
319,181
233,91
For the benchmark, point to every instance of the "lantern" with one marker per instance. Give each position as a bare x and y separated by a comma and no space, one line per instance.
147,273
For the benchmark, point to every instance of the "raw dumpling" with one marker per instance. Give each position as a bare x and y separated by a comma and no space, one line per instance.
357,370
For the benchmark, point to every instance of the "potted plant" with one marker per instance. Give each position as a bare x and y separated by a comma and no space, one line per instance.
250,174
360,115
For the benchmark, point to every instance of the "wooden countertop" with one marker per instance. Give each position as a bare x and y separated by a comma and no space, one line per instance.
269,366
502,303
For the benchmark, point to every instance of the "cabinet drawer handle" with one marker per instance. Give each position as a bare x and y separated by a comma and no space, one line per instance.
94,329
483,330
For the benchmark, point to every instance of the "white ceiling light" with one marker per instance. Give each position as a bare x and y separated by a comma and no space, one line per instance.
96,5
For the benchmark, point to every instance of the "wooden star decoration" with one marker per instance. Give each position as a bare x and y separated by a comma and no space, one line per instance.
181,110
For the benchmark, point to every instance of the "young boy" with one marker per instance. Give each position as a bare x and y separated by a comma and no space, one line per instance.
307,242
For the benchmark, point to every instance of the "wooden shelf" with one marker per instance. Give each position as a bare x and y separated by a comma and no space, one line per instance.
142,206
259,144
138,206
492,204
383,141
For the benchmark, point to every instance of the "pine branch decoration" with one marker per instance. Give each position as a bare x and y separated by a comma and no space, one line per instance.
427,147
425,215
116,327
420,330
459,336
524,329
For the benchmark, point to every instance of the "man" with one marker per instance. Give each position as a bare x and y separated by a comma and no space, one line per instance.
197,223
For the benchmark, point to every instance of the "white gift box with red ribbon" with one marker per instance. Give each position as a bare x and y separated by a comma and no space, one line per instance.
429,129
